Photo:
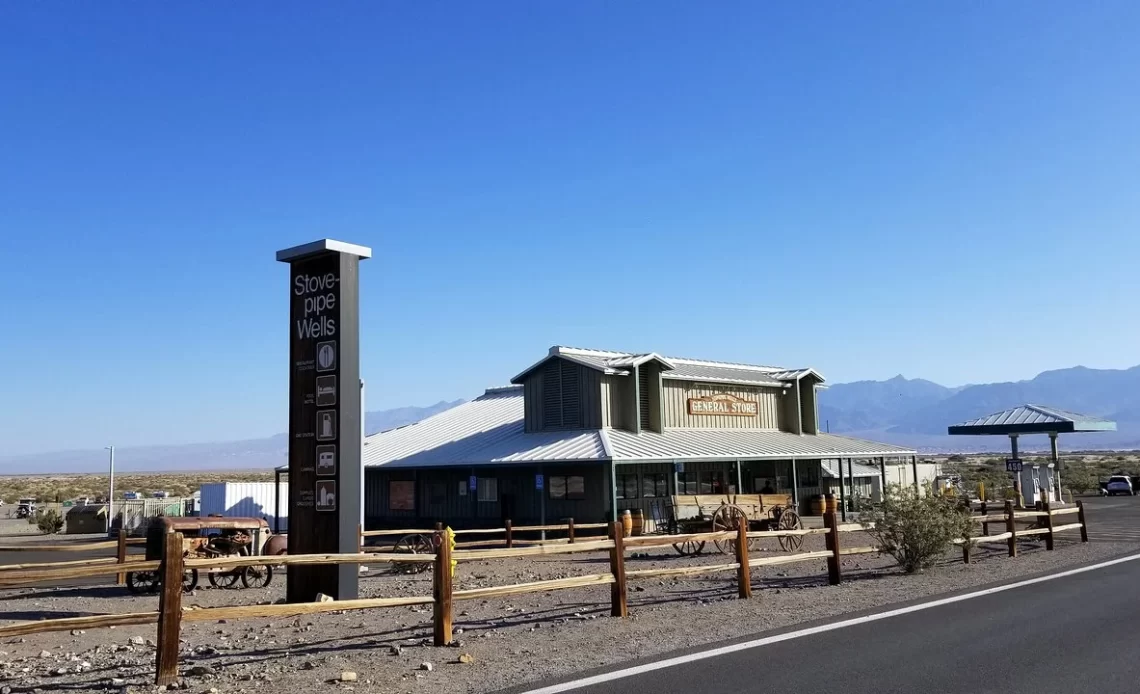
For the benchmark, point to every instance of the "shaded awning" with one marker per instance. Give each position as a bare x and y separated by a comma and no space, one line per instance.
857,469
1031,419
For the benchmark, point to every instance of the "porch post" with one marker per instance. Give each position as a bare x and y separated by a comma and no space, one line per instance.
276,502
739,478
882,477
914,470
1056,466
542,500
613,491
842,491
851,480
795,487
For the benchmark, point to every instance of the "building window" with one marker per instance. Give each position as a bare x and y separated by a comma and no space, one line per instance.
627,486
561,406
687,483
401,496
572,487
488,489
712,482
809,474
654,485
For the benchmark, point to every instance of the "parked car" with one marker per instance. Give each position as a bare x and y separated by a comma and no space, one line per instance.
1119,484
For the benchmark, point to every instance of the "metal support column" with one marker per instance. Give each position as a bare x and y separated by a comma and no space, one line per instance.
795,487
613,491
842,491
851,480
1056,466
882,478
541,501
739,479
1016,475
914,470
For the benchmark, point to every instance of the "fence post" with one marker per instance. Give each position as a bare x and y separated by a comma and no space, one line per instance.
834,573
619,606
1010,528
121,579
439,526
1084,524
966,547
510,538
1047,507
985,523
359,538
744,573
169,610
441,592
570,530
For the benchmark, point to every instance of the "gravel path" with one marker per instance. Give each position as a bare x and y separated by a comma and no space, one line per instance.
507,641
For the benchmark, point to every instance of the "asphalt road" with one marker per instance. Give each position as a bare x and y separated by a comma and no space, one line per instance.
1072,634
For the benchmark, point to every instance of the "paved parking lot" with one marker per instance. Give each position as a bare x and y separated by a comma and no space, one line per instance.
1113,518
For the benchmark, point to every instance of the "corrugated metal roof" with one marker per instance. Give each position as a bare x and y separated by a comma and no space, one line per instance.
484,431
727,444
489,430
857,469
720,374
1032,419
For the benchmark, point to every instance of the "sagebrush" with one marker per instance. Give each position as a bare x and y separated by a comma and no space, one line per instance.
48,521
916,529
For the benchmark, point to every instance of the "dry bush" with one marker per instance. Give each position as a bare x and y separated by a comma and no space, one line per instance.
917,529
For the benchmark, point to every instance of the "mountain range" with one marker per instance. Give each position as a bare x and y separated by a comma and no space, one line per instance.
908,412
915,412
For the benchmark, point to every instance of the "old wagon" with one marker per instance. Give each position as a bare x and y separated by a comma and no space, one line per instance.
209,537
700,513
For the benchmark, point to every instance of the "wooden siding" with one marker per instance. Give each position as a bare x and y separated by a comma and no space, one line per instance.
790,411
656,406
438,498
616,392
676,408
532,401
588,394
809,415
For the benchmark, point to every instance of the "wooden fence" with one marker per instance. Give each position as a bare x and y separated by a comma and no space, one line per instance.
508,532
1041,520
171,614
13,574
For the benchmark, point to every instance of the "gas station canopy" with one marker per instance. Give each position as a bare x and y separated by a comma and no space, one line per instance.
1031,419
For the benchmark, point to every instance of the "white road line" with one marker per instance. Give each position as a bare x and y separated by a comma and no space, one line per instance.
724,650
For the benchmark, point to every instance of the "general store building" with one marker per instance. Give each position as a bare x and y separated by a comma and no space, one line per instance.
587,434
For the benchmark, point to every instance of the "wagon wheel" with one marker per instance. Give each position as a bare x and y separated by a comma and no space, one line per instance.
189,580
226,579
790,520
413,544
689,547
141,582
728,517
257,576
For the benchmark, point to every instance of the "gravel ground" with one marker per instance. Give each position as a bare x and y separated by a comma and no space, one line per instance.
506,641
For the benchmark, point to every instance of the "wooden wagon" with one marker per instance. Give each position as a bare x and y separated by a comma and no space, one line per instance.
211,536
698,513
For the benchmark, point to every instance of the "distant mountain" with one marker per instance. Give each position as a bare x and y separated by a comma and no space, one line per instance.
876,404
916,413
253,453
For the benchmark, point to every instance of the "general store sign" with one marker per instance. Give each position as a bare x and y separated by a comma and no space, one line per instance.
723,404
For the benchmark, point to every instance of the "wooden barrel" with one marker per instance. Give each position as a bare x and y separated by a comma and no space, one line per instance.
816,505
627,522
638,526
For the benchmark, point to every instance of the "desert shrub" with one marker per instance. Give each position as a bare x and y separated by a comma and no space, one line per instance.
49,522
917,529
1080,479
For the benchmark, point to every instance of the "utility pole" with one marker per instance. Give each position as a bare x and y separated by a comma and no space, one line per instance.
111,491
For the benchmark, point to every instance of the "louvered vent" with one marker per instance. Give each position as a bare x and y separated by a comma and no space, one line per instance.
571,398
552,395
643,396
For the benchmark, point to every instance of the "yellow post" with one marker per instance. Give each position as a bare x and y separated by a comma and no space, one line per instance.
981,491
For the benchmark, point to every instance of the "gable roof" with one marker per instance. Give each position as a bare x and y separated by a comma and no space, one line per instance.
1031,419
673,368
489,431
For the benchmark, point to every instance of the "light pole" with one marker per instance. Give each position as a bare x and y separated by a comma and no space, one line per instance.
111,491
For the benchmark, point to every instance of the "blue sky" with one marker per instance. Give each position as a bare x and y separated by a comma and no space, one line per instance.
945,190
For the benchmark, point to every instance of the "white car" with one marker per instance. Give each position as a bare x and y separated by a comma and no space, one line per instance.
1119,484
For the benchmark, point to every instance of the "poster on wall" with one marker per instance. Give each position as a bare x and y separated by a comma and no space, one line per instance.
402,496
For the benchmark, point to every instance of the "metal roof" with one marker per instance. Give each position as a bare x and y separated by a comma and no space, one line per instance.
857,469
674,368
1031,419
489,431
730,444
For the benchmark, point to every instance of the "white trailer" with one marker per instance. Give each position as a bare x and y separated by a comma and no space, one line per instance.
246,499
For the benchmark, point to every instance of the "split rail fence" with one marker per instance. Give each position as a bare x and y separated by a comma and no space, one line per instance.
10,573
170,614
1041,521
508,532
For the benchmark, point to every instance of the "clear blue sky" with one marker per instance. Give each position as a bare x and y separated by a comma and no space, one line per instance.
866,188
